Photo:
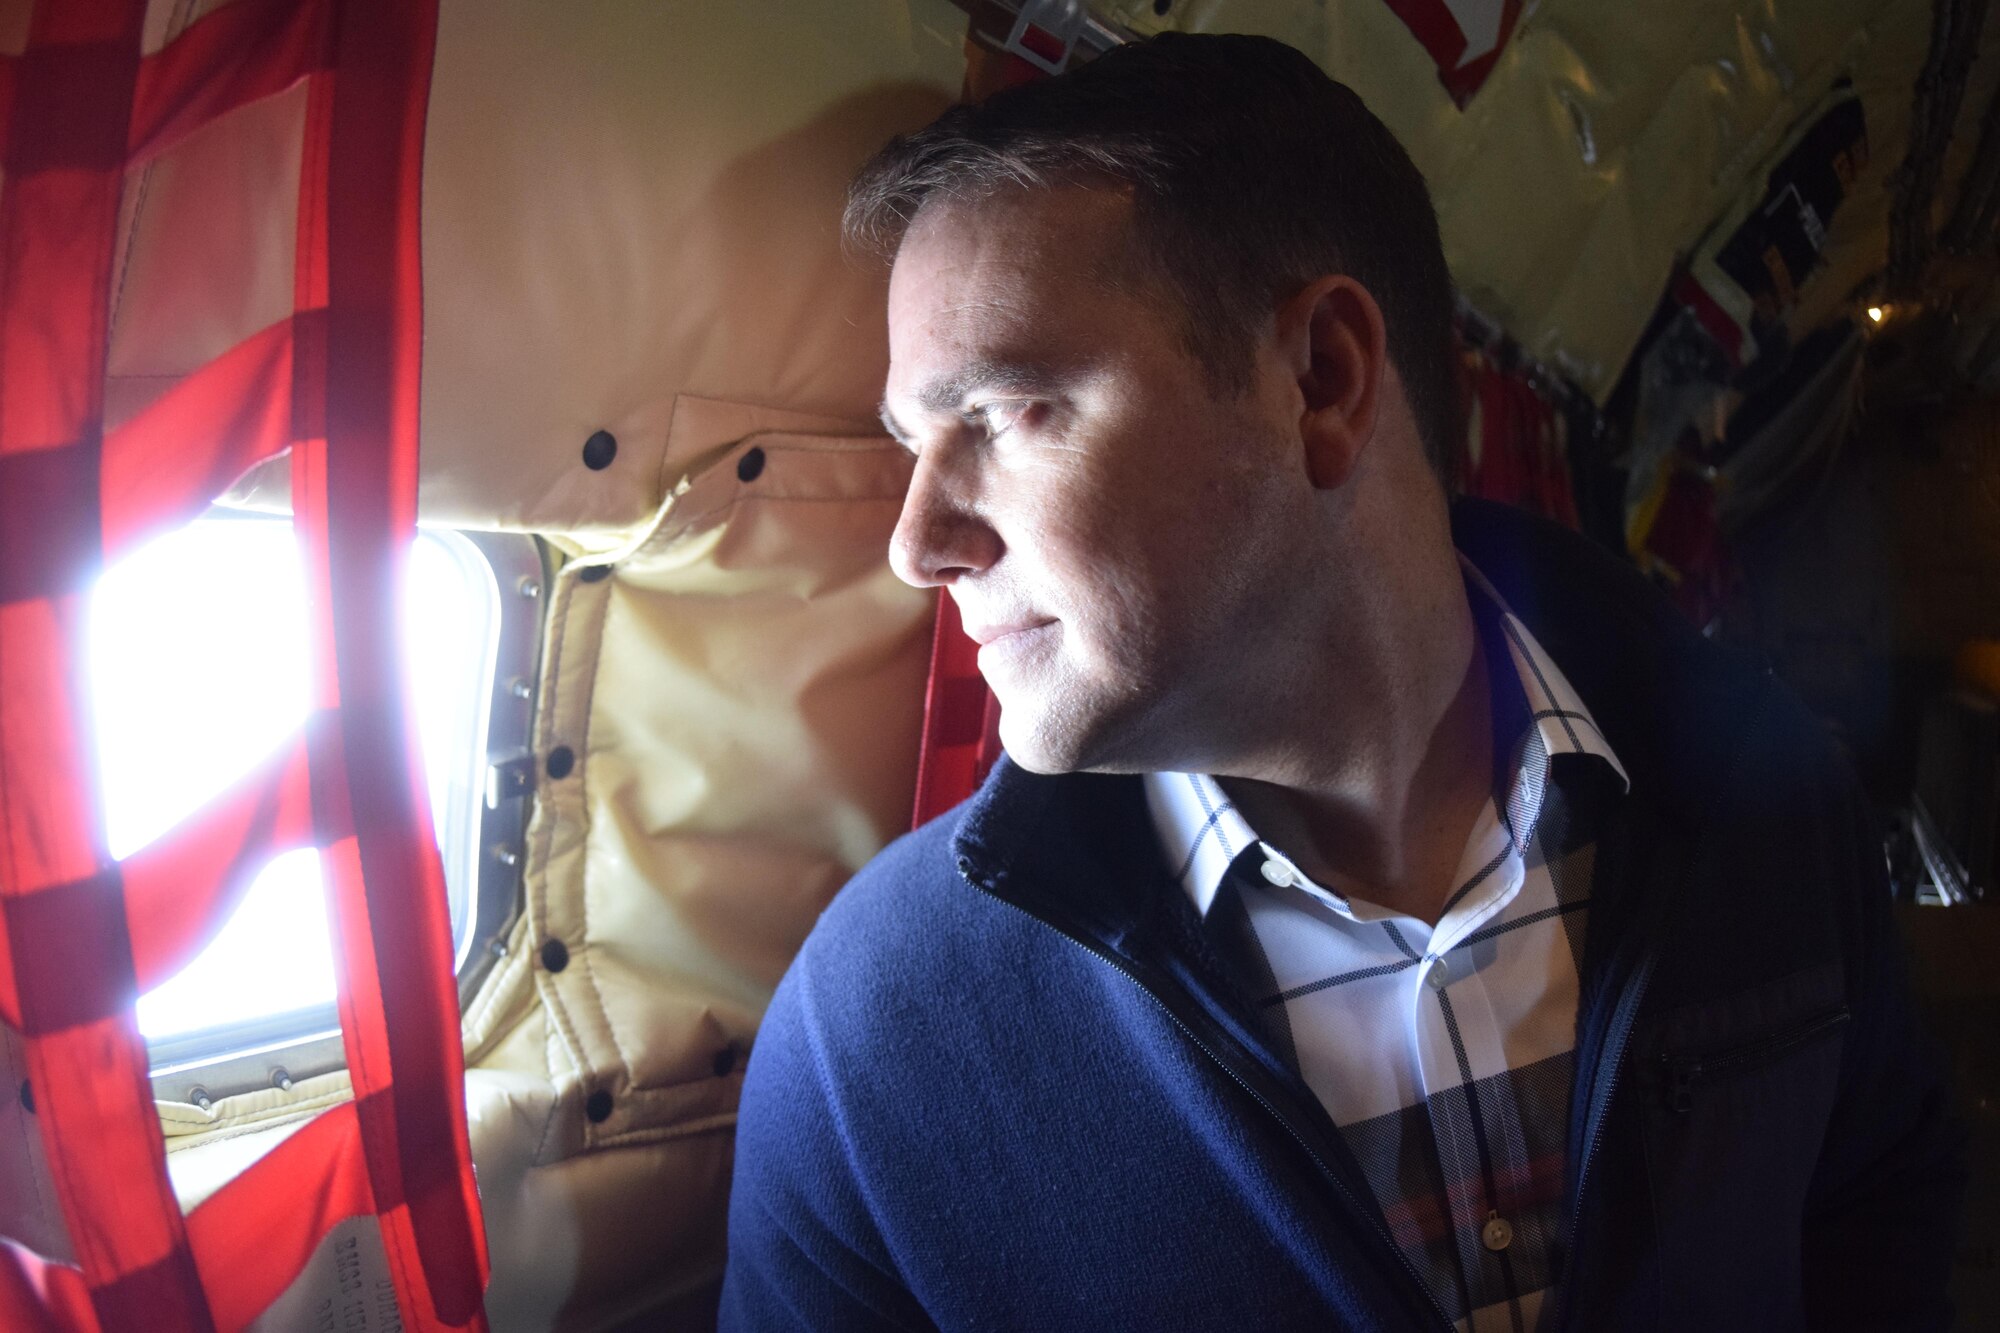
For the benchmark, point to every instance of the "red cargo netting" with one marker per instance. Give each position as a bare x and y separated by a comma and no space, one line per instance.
82,935
961,719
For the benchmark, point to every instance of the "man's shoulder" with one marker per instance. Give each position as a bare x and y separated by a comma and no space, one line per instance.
877,961
909,969
901,901
1584,602
1684,708
908,924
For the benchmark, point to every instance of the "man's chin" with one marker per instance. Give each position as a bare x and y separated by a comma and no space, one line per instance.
1051,746
1038,759
1036,746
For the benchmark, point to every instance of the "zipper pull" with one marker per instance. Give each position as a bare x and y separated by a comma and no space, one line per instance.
1681,1074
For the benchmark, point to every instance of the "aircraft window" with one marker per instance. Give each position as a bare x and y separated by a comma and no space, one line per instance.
199,667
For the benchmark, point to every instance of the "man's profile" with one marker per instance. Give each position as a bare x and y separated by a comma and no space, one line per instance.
1388,914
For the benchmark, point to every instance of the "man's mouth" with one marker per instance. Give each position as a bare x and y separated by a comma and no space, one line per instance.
985,634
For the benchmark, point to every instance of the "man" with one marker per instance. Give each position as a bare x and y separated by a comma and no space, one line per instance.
1387,916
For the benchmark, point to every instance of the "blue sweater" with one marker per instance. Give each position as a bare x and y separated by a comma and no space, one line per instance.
1006,1084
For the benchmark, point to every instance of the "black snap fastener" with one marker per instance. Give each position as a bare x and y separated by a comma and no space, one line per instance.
562,760
751,465
598,1107
725,1060
599,450
28,1096
555,955
594,573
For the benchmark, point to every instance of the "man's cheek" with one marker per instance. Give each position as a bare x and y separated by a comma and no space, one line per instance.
1119,641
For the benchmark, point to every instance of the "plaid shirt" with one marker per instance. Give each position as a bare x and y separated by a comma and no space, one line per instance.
1443,1054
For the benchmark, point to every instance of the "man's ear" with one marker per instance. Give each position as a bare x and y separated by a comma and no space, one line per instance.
1337,345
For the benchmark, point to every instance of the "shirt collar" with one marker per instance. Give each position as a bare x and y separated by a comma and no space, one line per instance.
1202,833
1199,829
1554,709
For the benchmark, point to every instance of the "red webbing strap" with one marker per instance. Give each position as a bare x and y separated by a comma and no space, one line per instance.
37,1296
230,414
1435,26
961,719
1468,78
354,497
233,1235
182,885
172,893
246,50
283,1207
79,935
1437,29
61,909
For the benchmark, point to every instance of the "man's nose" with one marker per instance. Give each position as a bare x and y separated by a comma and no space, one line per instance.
940,535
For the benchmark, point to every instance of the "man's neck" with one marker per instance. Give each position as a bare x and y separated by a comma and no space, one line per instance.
1384,816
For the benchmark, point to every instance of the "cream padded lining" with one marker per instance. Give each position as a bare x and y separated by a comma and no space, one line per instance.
743,693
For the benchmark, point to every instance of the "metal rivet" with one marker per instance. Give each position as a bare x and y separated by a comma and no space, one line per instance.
506,856
599,450
529,589
555,955
521,687
594,573
200,1097
562,762
281,1080
725,1060
598,1107
28,1096
751,465
508,777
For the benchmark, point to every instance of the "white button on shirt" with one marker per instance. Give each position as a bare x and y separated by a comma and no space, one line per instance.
1442,1052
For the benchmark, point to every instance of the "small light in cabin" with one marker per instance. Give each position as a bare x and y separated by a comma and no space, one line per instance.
1875,313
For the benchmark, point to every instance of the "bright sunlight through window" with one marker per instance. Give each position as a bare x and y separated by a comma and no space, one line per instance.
199,669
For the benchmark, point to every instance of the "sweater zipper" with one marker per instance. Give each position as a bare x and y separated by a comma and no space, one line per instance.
1347,1195
1687,1072
1614,1053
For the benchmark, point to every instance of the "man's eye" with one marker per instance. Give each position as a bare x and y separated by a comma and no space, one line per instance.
997,419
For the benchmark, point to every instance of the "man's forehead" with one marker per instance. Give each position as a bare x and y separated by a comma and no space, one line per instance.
1009,282
1015,238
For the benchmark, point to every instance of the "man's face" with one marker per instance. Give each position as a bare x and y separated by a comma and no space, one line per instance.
1117,535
